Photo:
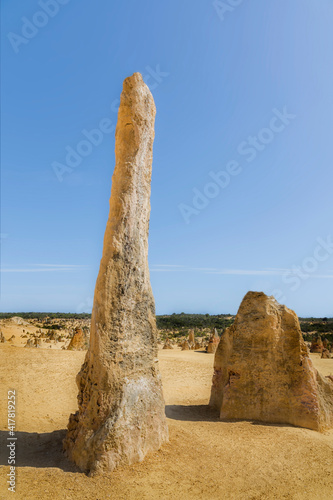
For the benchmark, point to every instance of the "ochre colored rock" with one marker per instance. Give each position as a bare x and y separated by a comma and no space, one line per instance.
2,338
213,342
167,344
185,346
262,369
37,342
121,413
78,341
191,339
316,345
325,354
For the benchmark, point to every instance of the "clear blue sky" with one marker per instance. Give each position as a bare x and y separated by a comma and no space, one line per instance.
220,79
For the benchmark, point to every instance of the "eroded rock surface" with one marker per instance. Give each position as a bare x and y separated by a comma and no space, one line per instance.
213,342
262,370
78,342
121,413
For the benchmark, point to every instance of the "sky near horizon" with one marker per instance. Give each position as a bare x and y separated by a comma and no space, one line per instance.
242,168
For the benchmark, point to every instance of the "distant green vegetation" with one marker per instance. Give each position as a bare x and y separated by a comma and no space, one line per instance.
315,325
180,321
40,316
308,337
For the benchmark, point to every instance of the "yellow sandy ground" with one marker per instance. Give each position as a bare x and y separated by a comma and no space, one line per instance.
205,458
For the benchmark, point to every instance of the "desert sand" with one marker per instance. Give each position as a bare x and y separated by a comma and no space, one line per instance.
205,458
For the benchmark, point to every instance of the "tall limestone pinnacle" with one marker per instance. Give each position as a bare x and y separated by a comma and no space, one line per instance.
121,414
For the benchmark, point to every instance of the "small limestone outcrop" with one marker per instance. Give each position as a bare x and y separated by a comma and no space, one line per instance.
185,346
121,414
262,369
167,344
213,342
316,345
325,354
37,342
2,338
78,341
191,338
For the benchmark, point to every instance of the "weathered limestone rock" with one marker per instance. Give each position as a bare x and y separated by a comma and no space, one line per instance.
262,369
78,341
37,342
316,345
167,344
325,354
121,413
191,338
213,342
185,346
197,346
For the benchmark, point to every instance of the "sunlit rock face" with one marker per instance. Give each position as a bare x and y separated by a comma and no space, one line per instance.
121,414
262,369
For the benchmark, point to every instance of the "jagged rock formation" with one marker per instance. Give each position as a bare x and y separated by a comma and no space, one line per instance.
316,345
191,338
325,354
2,338
78,341
326,344
197,346
121,413
213,342
37,342
262,369
54,336
185,346
167,344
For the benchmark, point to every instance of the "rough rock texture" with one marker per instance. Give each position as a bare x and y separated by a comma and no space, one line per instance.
185,346
78,341
2,338
121,413
213,342
37,342
191,338
325,354
262,369
316,345
167,344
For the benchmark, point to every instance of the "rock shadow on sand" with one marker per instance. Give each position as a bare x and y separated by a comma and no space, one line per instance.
204,413
191,413
38,450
